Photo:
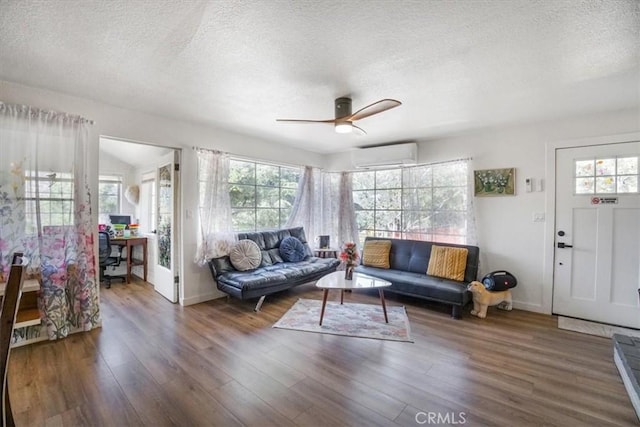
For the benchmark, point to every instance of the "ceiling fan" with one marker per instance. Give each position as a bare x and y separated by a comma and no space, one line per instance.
344,121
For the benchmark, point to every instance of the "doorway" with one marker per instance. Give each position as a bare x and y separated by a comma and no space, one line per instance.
596,269
146,191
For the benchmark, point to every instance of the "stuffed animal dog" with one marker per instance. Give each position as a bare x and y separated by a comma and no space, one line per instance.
483,298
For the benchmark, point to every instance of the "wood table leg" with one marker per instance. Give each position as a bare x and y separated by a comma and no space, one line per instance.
341,296
324,303
384,306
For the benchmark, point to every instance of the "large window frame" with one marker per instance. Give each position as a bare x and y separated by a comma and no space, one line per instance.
48,196
109,196
262,194
429,202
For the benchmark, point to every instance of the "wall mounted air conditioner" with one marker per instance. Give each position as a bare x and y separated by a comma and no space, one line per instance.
385,156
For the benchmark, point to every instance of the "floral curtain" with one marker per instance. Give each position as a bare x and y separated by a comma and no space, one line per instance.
45,212
216,236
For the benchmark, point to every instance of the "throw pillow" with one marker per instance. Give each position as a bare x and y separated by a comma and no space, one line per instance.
245,255
448,262
292,249
376,253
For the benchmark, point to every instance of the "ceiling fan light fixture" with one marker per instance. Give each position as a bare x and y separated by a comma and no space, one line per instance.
344,127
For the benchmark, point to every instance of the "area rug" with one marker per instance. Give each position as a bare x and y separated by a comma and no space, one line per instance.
348,319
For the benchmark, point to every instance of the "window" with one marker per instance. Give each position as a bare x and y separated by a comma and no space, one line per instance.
421,203
48,195
617,175
261,194
148,202
109,191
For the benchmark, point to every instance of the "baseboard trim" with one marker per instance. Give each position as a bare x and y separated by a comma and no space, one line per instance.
202,298
527,306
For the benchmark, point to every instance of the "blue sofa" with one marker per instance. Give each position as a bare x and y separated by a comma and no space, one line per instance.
273,274
409,260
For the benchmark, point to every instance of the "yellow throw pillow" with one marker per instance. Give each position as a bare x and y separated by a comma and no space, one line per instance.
448,262
376,253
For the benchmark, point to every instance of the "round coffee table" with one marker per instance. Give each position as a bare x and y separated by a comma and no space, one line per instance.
336,280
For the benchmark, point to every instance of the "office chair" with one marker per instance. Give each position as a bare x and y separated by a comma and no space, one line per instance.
106,260
10,304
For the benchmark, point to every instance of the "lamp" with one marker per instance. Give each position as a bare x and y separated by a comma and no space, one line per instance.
132,194
344,127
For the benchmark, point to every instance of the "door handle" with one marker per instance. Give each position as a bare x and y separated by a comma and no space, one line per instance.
561,245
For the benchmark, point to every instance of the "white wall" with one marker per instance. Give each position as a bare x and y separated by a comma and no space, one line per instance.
507,236
130,125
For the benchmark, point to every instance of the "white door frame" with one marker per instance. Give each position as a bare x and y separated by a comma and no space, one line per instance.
550,201
177,217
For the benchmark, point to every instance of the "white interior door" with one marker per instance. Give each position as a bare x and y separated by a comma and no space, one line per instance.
597,241
166,256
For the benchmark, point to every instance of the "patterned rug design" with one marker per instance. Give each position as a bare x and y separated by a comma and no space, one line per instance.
349,319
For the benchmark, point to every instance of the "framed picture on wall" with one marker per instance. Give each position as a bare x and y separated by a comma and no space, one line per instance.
495,182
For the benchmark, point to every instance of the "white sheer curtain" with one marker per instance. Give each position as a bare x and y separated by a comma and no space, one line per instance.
45,212
338,209
324,206
437,203
307,208
216,234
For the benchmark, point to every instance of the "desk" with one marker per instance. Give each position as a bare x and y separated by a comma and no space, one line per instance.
129,243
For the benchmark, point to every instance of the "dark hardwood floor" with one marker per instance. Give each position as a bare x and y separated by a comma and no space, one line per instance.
219,363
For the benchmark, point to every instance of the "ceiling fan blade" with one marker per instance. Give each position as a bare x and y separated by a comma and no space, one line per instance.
306,121
375,108
358,130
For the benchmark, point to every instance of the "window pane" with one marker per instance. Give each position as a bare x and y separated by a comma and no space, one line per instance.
388,199
389,178
289,177
364,199
417,177
242,196
628,166
288,197
450,198
242,172
363,180
267,175
585,185
447,222
262,195
364,220
415,221
627,184
267,197
417,198
584,168
267,218
605,167
388,220
449,175
605,185
243,219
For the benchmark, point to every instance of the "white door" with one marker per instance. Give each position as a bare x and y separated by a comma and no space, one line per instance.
597,241
165,262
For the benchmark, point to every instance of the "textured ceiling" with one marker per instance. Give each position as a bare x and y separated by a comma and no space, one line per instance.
455,65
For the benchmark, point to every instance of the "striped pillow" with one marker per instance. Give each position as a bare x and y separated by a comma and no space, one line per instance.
448,262
376,253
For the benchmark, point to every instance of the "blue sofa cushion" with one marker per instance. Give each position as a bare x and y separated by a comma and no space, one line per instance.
292,249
